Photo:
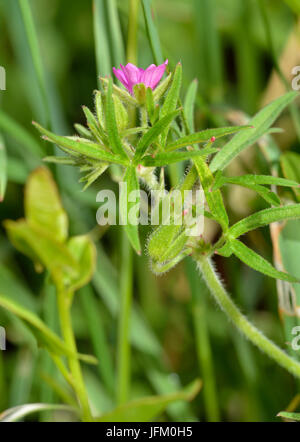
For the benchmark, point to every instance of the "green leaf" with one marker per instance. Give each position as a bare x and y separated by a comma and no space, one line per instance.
287,415
83,251
269,196
171,99
91,177
152,134
150,104
225,251
42,249
131,180
261,122
255,179
100,108
148,408
213,197
121,114
121,93
160,90
189,103
256,262
17,413
111,123
80,146
162,159
66,161
290,165
263,218
43,207
44,335
94,126
83,131
203,137
3,169
161,241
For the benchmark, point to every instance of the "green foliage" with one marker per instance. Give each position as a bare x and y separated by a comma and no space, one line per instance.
131,136
263,218
289,416
149,408
3,169
261,123
44,336
43,235
290,164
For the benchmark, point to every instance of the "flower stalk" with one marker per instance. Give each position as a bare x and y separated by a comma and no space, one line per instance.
241,322
64,307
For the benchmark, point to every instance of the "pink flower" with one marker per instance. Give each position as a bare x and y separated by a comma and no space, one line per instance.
131,75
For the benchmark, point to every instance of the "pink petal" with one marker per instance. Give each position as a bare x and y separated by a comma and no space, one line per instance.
133,75
120,76
153,75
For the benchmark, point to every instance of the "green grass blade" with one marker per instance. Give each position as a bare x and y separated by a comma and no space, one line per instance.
152,33
103,58
95,325
115,33
3,169
208,49
16,131
35,52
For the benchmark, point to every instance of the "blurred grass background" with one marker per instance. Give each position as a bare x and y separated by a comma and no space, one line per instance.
225,45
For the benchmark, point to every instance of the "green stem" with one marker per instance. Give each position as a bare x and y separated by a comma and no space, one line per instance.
123,381
132,32
241,322
64,305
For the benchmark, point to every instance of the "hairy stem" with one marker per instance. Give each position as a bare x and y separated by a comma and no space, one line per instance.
241,322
